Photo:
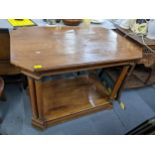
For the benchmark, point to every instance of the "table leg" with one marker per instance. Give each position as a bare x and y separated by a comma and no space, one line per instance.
35,90
32,92
119,81
125,79
39,98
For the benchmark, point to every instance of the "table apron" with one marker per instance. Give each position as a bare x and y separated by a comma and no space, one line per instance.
38,75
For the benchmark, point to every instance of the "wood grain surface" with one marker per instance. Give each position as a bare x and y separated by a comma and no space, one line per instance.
64,97
69,47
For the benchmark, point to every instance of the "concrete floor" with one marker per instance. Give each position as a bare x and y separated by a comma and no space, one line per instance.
140,105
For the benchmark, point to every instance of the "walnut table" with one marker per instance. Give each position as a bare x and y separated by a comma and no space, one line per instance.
46,51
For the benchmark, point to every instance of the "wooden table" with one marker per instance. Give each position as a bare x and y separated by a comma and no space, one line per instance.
41,52
5,67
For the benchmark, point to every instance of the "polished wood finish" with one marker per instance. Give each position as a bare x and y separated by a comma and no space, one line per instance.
69,49
39,98
119,81
32,92
73,95
70,98
39,75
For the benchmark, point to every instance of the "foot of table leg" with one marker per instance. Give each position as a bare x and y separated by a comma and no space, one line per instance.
39,123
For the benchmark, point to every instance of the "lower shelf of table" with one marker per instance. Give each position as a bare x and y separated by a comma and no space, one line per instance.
71,98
